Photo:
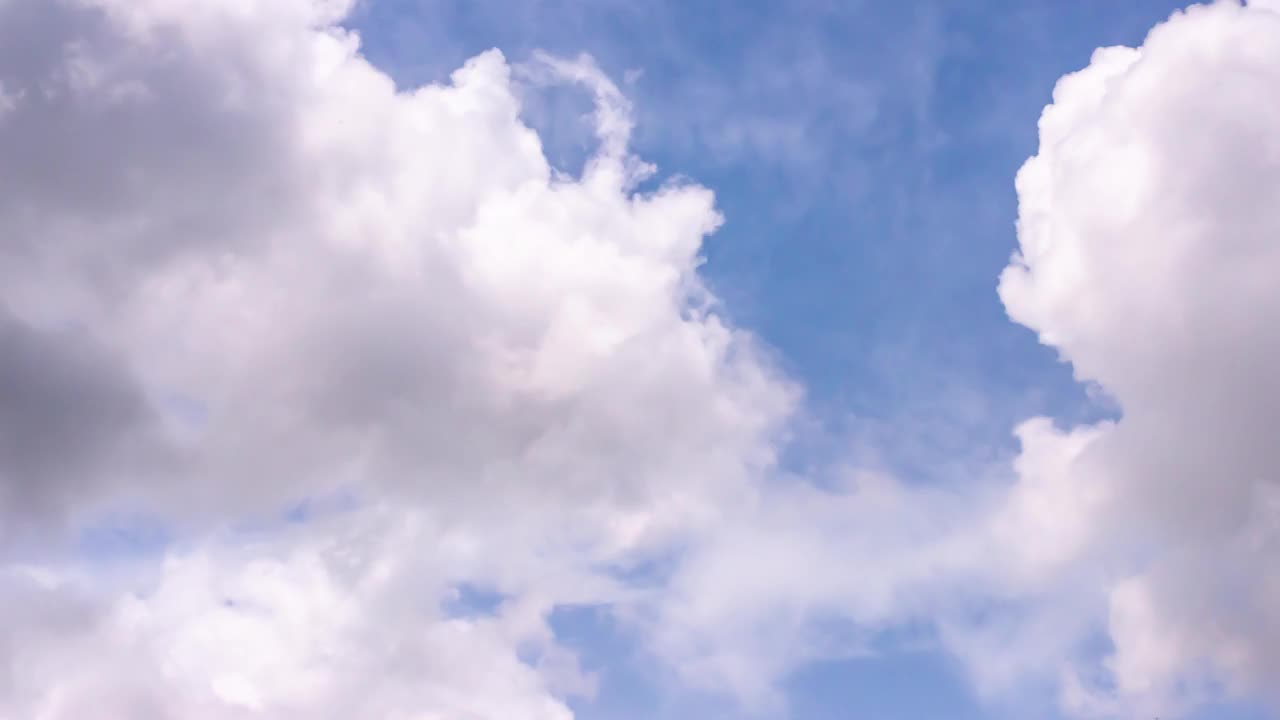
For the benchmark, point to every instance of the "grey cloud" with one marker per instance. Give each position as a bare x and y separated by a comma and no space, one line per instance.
104,125
70,413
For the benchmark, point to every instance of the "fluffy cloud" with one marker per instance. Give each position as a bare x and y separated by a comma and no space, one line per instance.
339,620
241,271
1148,228
299,278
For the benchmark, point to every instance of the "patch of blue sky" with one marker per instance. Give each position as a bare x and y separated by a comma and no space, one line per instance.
629,684
129,536
902,685
123,537
886,685
468,600
1240,710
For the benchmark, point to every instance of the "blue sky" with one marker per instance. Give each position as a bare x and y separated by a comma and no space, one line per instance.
351,364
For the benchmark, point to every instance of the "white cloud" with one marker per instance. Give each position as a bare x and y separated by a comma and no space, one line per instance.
240,270
341,620
1148,224
331,274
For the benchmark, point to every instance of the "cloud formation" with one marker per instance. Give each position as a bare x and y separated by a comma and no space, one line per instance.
241,272
358,348
1148,228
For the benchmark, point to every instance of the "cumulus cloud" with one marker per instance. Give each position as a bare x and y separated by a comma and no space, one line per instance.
240,271
1148,228
303,270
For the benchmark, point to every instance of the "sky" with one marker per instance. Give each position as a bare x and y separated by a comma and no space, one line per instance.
554,360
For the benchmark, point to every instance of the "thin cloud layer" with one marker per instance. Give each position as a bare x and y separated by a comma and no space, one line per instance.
357,349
